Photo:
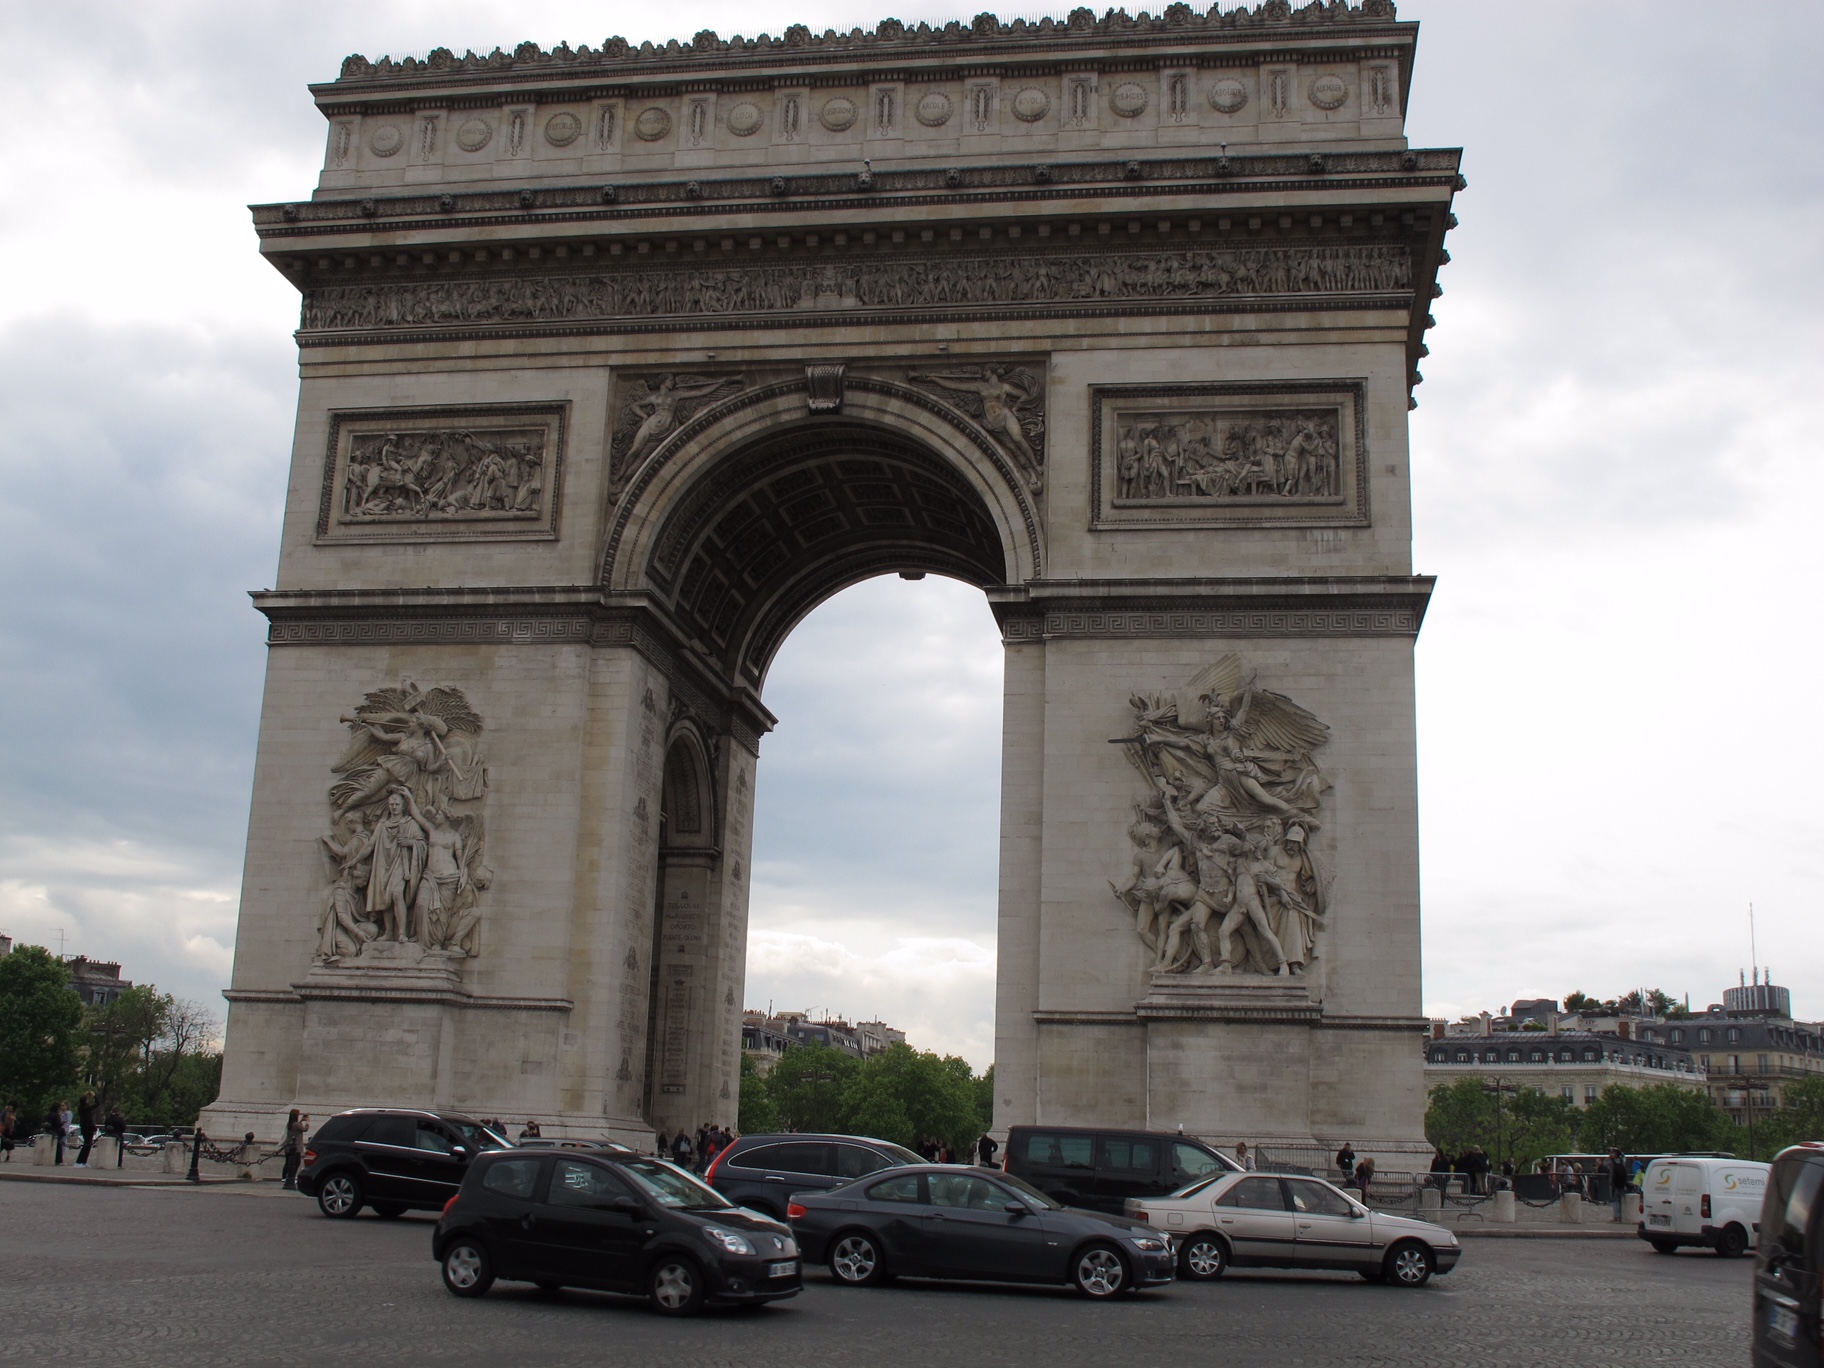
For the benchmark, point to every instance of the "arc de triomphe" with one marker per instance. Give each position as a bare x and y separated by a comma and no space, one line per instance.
616,362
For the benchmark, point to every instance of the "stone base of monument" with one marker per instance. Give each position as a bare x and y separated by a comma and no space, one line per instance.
385,964
1230,997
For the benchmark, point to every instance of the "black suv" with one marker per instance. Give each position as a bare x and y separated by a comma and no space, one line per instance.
614,1221
763,1171
393,1161
1789,1261
1097,1168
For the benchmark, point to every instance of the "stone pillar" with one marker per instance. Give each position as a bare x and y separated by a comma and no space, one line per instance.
1431,1201
1630,1208
1022,809
1504,1208
1570,1208
44,1151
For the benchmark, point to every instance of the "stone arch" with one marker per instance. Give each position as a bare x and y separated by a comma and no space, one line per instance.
757,510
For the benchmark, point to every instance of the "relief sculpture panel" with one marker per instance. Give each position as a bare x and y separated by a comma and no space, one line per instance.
427,474
1224,880
1216,455
406,835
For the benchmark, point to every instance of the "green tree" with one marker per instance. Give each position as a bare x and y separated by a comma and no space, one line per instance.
40,1020
984,1098
1580,1002
904,1096
1534,1124
1460,1115
1800,1118
757,1114
807,1087
1661,1119
1524,1125
117,1043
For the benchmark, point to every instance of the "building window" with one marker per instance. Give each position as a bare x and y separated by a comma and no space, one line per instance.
1589,1056
1589,1093
1565,1092
1703,1037
1462,1056
1538,1057
1513,1056
1734,1035
1735,1064
1678,1037
1761,1063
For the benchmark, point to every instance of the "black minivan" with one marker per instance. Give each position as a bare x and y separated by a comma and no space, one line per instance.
1100,1169
393,1161
1789,1264
763,1171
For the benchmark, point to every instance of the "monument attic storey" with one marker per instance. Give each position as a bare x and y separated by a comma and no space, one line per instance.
617,361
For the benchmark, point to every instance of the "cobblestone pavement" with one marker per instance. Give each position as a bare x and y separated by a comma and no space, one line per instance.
250,1276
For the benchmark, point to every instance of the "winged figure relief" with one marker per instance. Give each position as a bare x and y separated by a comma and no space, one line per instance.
656,411
1224,879
407,838
1008,401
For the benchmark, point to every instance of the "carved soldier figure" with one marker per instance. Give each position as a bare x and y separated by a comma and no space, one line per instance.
344,928
1159,883
397,847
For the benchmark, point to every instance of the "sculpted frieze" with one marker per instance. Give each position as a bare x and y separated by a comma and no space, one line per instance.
1008,402
406,833
428,473
1229,454
1058,278
1223,879
652,409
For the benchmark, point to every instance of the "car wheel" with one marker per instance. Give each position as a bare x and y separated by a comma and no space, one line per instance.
1205,1257
466,1270
855,1259
1099,1272
676,1286
339,1195
1664,1246
390,1211
1408,1265
1732,1243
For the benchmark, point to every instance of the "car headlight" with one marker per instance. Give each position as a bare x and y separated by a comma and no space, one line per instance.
1150,1244
733,1243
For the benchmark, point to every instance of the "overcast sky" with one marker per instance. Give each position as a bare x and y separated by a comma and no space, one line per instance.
1616,466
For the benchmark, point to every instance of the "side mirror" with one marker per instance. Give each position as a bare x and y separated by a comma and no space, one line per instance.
459,1152
1017,1209
629,1205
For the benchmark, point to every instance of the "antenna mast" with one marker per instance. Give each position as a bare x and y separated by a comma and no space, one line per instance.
1754,954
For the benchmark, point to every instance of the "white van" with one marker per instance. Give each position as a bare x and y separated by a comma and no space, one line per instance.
1699,1200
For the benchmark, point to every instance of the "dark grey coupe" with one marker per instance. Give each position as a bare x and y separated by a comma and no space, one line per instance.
942,1221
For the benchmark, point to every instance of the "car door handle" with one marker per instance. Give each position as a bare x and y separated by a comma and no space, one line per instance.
771,1179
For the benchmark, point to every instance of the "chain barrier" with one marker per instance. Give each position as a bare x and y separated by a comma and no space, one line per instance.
201,1147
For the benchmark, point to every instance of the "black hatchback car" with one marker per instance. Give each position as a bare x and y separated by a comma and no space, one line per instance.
1789,1263
762,1171
393,1161
1103,1168
613,1222
976,1224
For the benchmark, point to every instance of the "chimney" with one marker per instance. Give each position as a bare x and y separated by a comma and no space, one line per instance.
1623,1030
1487,1029
1551,1023
1437,1030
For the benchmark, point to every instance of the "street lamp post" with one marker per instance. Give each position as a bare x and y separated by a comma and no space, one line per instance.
1495,1088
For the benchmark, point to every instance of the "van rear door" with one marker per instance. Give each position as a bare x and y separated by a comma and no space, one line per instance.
1656,1207
1688,1184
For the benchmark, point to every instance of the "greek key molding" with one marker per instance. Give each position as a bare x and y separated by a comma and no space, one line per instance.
1391,622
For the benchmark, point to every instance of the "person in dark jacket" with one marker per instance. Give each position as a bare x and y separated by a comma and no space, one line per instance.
87,1109
59,1126
116,1126
9,1129
986,1147
1616,1167
293,1149
1345,1162
680,1149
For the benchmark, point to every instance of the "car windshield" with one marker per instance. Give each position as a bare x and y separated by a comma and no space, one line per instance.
670,1186
480,1137
1192,1189
1032,1195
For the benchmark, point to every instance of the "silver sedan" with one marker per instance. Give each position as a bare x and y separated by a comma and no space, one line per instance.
1263,1220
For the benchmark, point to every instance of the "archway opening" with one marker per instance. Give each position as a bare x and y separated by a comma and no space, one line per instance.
877,816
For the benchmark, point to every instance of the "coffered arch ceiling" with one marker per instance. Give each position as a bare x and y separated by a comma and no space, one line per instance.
783,523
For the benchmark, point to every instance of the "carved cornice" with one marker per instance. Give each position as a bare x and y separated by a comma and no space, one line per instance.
540,615
452,997
1314,1017
1043,179
1369,606
987,37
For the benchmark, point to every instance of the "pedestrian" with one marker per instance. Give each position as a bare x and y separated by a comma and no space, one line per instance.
1364,1177
86,1110
530,1131
680,1149
9,1129
986,1147
1440,1169
1617,1169
712,1146
1478,1173
59,1126
116,1126
293,1148
1242,1156
1345,1162
662,1146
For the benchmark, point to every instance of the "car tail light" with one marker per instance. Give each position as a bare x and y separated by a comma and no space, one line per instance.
1140,1216
452,1202
795,1212
1703,1207
310,1157
709,1174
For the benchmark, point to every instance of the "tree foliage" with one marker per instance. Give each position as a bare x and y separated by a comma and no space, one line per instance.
899,1095
40,1020
1523,1125
1662,1118
1528,1124
1801,1118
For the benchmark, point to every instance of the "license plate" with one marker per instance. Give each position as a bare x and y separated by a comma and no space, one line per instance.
1782,1324
1659,1220
782,1270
